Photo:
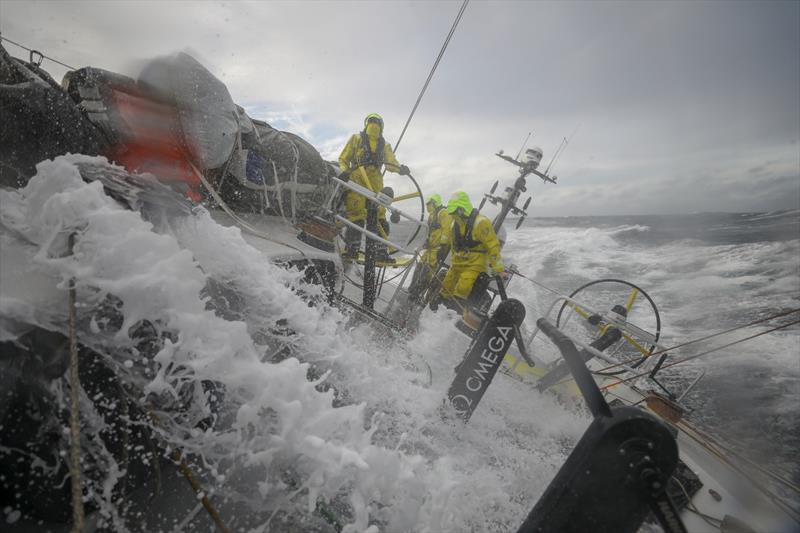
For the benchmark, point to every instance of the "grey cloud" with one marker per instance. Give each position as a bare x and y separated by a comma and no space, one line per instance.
664,93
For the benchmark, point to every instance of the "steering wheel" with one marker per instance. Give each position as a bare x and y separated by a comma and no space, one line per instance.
419,194
617,299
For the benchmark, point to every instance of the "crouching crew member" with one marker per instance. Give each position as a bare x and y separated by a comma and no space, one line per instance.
475,247
436,247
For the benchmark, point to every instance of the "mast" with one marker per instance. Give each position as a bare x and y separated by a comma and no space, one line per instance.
508,202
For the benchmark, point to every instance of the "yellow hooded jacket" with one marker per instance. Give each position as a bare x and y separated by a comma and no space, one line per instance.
439,224
484,254
368,176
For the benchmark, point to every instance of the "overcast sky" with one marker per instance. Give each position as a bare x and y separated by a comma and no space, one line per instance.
677,107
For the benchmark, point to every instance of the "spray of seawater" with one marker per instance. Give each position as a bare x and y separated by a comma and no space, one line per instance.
305,408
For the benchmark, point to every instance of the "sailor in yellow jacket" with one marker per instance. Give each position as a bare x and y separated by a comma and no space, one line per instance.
436,247
362,158
438,244
476,249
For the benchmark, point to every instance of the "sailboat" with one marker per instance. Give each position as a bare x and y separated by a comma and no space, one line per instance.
149,155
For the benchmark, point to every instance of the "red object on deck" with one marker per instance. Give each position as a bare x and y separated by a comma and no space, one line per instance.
153,141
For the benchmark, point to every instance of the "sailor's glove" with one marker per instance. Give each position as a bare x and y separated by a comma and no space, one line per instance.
395,217
404,171
344,176
434,304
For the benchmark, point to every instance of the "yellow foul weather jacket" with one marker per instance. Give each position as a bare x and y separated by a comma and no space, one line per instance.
365,170
480,254
438,235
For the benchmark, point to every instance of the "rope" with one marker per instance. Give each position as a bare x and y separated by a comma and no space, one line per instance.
244,225
774,476
278,190
197,487
636,376
433,69
296,152
37,52
711,445
690,506
523,276
716,449
706,441
74,415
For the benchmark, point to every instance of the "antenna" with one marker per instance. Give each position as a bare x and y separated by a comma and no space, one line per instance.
562,147
558,150
523,145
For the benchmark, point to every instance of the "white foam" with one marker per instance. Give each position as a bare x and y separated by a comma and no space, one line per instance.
388,453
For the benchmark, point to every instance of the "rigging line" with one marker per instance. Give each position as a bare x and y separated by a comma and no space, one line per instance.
709,442
38,52
545,287
606,387
716,449
707,337
430,75
179,458
74,411
777,477
238,220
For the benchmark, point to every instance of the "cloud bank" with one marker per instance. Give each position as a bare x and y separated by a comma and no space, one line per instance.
677,107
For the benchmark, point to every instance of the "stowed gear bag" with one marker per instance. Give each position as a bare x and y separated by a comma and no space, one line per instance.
38,121
141,124
176,121
290,171
255,167
206,113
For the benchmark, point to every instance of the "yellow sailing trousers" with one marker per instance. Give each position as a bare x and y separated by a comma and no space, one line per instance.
459,281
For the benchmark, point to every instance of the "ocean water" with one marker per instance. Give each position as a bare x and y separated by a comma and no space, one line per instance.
321,409
706,272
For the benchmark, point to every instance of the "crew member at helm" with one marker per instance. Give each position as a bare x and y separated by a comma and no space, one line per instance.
436,247
362,159
476,249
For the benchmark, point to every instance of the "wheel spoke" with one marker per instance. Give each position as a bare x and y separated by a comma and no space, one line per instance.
631,300
580,311
632,342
